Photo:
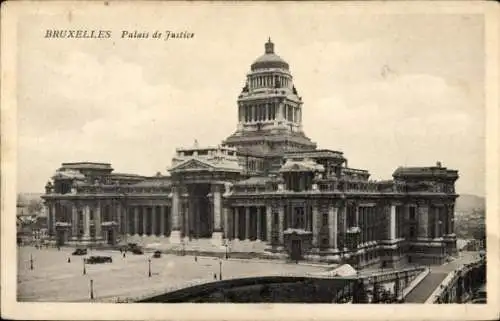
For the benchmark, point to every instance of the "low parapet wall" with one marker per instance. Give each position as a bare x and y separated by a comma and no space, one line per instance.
285,289
459,284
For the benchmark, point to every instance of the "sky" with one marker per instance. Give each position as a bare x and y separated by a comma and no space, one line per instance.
388,90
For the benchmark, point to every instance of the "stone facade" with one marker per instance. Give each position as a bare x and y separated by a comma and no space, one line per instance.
267,182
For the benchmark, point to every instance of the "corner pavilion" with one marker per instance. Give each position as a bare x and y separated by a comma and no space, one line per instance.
266,183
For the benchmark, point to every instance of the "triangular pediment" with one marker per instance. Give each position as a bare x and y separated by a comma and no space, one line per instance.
192,165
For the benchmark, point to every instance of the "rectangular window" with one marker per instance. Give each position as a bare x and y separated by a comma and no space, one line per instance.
325,219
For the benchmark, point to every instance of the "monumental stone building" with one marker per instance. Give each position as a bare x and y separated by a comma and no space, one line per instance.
267,182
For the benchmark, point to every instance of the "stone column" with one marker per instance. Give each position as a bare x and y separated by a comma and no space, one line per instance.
269,223
423,220
163,213
186,217
225,215
175,234
144,213
236,222
217,232
332,223
97,221
74,221
125,219
136,220
280,224
53,219
118,214
315,226
392,224
259,218
247,223
356,215
86,229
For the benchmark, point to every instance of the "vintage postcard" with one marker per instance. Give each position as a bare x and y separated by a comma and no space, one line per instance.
255,160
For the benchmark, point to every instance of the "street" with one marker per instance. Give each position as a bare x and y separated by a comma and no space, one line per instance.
53,279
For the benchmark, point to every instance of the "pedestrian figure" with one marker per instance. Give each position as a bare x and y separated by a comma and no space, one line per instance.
123,254
195,258
215,276
69,260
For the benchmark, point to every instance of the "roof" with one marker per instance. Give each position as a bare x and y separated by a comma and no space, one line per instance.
197,164
153,183
87,165
269,59
256,180
432,171
68,174
301,166
316,153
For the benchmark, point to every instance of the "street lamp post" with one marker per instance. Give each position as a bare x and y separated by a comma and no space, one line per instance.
220,269
149,267
84,269
226,244
91,289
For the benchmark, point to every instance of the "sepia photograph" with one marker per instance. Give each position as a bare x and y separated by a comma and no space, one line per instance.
263,153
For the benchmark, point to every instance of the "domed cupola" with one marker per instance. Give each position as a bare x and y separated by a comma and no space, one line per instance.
269,59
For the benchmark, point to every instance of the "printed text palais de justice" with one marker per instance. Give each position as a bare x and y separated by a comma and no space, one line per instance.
122,34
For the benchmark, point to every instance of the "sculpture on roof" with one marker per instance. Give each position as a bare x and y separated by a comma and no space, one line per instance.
245,88
48,187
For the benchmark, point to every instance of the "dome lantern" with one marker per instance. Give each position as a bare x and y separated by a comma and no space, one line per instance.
269,46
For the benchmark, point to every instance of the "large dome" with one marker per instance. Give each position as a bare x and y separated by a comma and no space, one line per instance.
269,59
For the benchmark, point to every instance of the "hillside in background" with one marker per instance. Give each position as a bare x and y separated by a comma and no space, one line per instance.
467,203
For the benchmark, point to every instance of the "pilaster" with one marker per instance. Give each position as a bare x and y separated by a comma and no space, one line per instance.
423,220
315,225
281,215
